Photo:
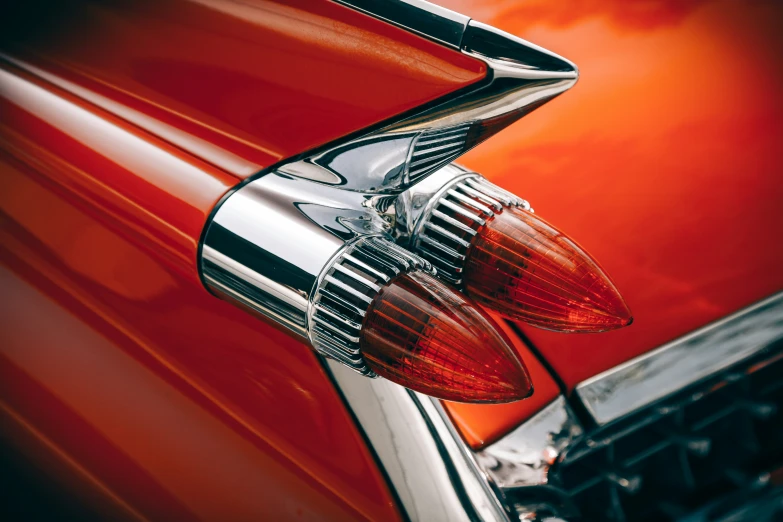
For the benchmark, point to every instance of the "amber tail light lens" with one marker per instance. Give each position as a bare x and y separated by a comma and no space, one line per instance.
526,269
421,334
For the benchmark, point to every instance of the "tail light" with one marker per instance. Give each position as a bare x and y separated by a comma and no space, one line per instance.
428,337
488,242
310,245
317,262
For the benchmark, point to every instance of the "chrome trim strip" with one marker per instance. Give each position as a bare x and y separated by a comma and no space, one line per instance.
431,469
427,19
684,361
520,77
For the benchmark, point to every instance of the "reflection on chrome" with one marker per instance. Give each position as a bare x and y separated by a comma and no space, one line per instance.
452,188
643,380
275,247
433,473
520,77
524,456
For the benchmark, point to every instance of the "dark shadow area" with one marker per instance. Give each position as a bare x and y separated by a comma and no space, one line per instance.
29,494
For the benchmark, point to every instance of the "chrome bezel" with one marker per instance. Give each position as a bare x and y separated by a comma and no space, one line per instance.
273,247
425,228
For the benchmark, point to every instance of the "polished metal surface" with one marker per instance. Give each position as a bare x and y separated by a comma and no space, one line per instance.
346,289
293,243
309,257
520,78
524,456
433,473
641,381
698,454
270,240
411,206
429,227
418,16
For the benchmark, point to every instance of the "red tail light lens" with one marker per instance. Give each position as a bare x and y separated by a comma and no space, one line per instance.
425,336
526,269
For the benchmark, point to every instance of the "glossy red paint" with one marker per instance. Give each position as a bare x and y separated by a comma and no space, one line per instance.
663,162
161,398
240,84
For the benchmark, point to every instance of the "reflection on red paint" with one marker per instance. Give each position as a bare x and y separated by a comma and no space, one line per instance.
112,350
259,81
663,161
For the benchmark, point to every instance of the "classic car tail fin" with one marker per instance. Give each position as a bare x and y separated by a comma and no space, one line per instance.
311,246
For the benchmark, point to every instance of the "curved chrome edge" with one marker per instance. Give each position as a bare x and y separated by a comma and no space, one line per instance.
424,18
433,472
520,77
249,253
684,361
309,257
438,477
424,224
346,288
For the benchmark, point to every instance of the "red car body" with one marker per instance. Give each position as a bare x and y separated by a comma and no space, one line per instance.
124,125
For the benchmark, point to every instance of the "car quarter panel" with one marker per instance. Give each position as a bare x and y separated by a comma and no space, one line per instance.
170,401
240,84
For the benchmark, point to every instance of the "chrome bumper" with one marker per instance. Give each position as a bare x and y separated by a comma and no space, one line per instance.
525,475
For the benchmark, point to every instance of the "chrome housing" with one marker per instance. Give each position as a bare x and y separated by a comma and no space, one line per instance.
283,243
308,257
424,227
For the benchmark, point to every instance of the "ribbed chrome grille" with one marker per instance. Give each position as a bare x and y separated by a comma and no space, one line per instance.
704,452
446,233
434,149
345,294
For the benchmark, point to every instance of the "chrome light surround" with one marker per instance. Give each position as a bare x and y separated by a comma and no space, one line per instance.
276,244
423,227
436,476
307,257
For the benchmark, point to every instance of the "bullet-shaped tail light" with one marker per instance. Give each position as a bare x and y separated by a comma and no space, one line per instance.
382,307
428,337
489,243
316,261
